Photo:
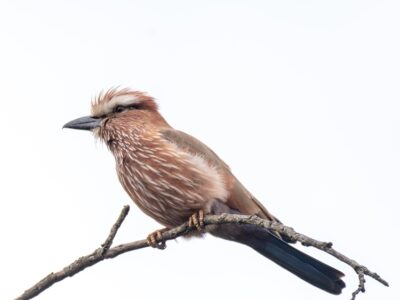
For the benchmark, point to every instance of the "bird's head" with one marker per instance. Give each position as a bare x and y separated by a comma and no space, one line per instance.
117,112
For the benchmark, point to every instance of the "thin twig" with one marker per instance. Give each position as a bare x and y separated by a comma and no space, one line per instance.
108,242
361,285
105,252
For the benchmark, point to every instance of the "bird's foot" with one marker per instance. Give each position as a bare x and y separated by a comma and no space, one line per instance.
197,220
155,239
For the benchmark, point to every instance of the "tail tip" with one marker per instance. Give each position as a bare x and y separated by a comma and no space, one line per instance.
337,287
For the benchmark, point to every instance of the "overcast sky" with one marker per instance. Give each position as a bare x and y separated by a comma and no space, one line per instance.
300,98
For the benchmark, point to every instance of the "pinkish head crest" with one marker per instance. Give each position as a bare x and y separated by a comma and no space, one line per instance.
106,102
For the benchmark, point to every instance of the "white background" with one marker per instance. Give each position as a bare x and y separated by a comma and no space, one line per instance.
301,98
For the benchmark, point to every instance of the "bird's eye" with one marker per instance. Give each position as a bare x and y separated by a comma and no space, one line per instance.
119,109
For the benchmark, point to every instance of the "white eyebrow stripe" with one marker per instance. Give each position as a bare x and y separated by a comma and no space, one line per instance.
123,100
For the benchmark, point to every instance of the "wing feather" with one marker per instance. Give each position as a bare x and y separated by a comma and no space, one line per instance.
239,197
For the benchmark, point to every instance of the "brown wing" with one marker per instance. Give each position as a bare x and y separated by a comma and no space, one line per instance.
239,198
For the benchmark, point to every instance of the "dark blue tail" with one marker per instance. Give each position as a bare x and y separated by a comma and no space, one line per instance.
300,264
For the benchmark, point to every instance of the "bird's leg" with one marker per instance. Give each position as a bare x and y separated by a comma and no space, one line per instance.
197,219
155,239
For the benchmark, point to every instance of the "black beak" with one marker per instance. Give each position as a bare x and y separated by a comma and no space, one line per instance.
84,123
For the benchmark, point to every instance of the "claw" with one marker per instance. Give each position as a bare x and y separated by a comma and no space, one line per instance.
197,220
155,240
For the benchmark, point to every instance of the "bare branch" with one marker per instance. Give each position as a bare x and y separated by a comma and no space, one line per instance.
108,242
106,251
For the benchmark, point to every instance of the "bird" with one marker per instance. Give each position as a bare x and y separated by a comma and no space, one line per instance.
174,178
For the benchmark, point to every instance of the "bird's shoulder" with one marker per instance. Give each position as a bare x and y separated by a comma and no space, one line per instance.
193,146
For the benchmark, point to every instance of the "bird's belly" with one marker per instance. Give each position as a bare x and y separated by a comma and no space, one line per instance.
169,207
170,200
170,188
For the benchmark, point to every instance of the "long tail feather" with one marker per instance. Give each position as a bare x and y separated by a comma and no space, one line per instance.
302,265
